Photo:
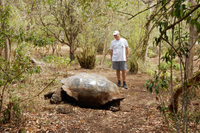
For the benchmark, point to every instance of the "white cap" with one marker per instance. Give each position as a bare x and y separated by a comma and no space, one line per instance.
115,32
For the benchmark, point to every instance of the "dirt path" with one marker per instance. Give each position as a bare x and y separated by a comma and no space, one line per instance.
138,110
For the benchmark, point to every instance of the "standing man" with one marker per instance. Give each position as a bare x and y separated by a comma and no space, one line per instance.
119,56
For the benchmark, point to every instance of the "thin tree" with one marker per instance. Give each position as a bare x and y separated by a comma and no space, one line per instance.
61,21
147,30
191,47
3,28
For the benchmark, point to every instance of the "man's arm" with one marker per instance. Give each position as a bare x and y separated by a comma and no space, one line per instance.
127,53
111,53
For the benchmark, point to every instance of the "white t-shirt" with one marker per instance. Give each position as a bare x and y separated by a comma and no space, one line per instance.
119,49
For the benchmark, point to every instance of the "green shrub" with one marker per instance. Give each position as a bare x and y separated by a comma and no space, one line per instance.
151,54
167,65
13,72
60,62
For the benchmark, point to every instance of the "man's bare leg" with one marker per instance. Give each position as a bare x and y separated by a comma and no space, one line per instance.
118,74
124,79
124,75
118,77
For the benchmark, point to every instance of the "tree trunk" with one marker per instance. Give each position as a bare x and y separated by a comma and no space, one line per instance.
72,56
6,42
1,50
145,42
193,39
7,50
189,60
105,46
178,90
72,41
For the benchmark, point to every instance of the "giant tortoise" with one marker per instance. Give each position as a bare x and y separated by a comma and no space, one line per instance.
87,90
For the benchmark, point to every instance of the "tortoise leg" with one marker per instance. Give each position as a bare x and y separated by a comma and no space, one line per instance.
58,96
114,108
114,105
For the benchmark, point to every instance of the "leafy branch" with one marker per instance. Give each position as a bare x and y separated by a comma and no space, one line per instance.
177,22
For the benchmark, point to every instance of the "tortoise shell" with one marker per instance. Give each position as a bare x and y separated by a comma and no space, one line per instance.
91,90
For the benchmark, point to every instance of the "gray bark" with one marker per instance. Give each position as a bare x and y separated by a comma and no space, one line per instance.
193,39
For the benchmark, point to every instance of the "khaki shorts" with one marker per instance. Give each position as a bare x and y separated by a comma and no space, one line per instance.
119,65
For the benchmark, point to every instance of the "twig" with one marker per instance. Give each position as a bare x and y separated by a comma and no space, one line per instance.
138,12
153,15
5,73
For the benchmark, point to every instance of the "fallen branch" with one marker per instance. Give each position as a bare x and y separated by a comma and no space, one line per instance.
194,80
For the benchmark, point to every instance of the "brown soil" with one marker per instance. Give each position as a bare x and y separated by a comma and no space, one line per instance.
138,112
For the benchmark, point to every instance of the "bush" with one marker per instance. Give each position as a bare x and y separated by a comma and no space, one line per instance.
60,62
12,72
133,66
86,60
100,48
167,65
